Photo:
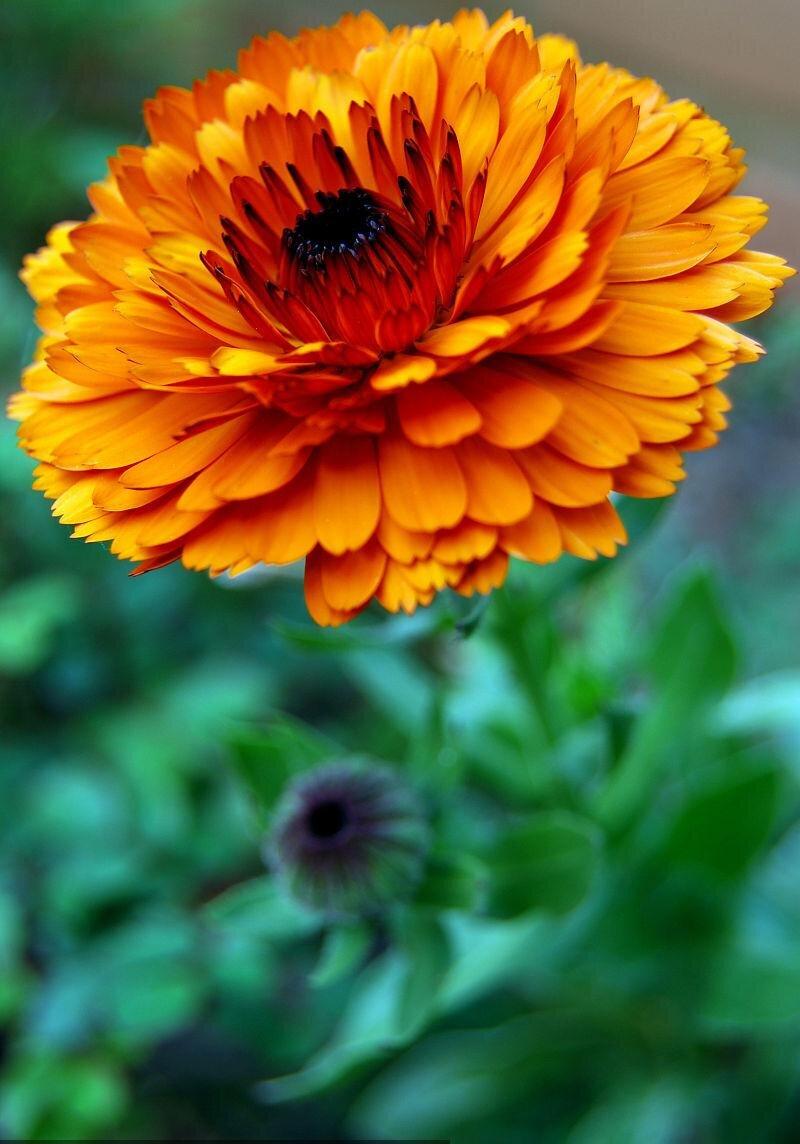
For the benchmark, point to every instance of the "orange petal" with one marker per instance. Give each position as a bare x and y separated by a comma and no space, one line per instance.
400,543
402,369
515,411
646,330
424,489
187,456
246,470
591,430
318,607
349,581
462,338
653,472
560,480
662,252
589,531
396,592
660,190
485,575
663,375
347,495
498,491
536,538
436,414
160,523
467,541
282,529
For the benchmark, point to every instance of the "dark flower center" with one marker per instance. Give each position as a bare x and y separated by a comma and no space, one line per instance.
345,222
327,820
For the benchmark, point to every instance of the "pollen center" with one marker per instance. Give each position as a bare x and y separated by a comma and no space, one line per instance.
345,222
327,820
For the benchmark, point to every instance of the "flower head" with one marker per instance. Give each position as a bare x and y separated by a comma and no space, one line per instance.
348,838
401,303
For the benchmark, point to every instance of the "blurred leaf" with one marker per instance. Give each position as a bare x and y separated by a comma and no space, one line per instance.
367,1027
12,932
50,1099
136,984
30,616
69,804
724,824
488,953
451,882
751,990
528,637
427,949
402,691
80,887
659,1113
547,863
15,987
769,703
260,908
693,656
64,1009
343,950
692,661
149,998
361,634
449,1079
267,756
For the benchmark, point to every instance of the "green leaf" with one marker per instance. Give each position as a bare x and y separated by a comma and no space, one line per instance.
529,639
148,999
260,908
451,882
48,1098
752,990
546,863
15,987
693,655
723,826
12,932
343,950
770,703
30,616
366,1029
400,689
361,634
267,756
427,949
659,1112
692,662
450,1080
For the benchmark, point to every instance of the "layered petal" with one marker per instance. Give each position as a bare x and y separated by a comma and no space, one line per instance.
399,303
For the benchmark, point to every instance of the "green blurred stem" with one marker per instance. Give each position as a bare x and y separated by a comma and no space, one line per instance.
528,640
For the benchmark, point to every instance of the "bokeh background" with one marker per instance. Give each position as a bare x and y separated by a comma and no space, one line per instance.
615,748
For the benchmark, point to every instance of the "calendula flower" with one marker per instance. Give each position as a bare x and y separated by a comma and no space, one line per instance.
401,303
349,838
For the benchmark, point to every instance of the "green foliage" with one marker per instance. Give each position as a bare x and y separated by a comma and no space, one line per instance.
612,824
30,616
546,863
723,825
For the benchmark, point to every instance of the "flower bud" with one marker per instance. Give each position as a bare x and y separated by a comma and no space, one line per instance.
349,837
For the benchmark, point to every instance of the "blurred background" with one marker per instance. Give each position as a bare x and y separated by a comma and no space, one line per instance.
613,750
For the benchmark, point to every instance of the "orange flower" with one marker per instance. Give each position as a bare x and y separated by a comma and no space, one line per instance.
401,303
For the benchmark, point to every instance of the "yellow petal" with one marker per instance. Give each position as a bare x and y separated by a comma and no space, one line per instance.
462,338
